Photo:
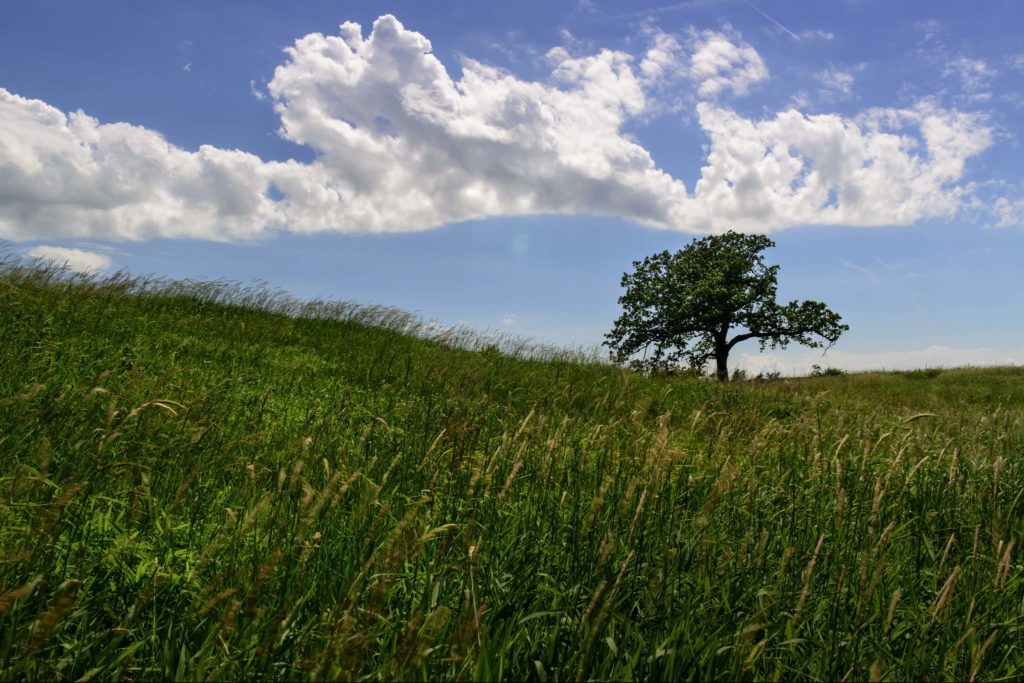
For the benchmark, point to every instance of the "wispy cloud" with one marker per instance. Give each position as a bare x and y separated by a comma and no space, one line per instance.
931,46
836,83
930,29
661,9
256,91
815,34
863,270
974,74
1009,213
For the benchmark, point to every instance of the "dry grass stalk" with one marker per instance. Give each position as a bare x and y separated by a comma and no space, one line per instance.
598,501
217,599
808,576
953,462
67,593
787,555
755,652
944,593
516,466
876,502
1003,568
636,516
996,471
979,653
913,470
945,551
12,596
879,569
595,627
896,595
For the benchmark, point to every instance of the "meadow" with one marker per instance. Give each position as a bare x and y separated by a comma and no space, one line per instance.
212,481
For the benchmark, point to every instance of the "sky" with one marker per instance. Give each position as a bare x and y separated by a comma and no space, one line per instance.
500,165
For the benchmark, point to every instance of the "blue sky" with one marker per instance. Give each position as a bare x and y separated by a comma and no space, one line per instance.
500,165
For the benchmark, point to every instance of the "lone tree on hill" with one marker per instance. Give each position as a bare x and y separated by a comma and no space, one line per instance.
684,305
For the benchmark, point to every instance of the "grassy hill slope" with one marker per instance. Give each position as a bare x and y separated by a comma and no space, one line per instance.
204,481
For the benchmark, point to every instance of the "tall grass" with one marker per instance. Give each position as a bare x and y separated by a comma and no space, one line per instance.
201,480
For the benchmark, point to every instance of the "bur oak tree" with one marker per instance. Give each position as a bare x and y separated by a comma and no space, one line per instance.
698,303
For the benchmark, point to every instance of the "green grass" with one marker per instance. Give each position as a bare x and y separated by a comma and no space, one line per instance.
206,481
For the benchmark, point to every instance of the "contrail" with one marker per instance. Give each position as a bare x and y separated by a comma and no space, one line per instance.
758,10
659,10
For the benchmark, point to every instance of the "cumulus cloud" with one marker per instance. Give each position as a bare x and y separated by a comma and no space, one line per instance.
407,147
77,260
664,59
401,144
887,166
71,176
722,62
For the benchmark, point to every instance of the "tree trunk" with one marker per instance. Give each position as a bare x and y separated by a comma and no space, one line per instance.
722,363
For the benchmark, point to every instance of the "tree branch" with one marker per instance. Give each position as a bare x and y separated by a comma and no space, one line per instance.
777,334
742,338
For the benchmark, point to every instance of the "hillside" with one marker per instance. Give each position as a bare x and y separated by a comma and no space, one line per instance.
199,480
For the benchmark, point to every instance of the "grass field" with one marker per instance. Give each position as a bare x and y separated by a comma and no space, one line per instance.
206,481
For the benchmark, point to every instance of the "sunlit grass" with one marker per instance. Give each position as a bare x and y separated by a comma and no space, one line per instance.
200,480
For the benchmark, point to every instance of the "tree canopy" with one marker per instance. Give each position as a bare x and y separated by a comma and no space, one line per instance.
683,306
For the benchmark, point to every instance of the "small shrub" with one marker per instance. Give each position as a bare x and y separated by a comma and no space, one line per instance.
770,376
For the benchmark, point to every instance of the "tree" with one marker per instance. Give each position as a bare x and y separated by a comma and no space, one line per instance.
683,306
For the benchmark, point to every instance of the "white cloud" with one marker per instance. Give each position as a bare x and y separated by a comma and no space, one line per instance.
403,145
932,29
721,62
70,176
936,356
586,6
800,100
974,74
886,167
815,34
572,43
835,82
256,91
76,259
663,59
1008,213
407,147
509,319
